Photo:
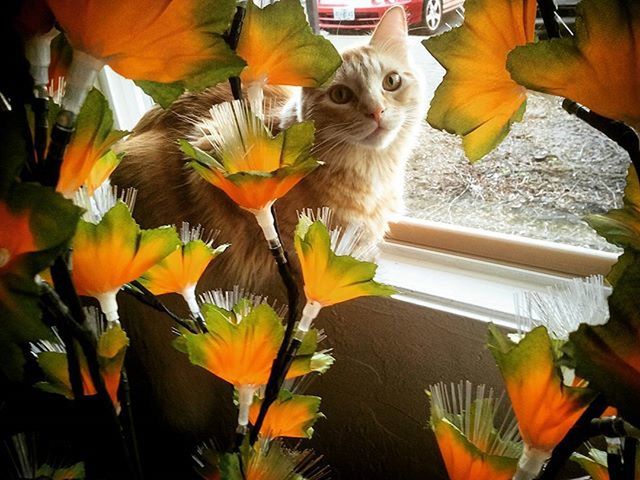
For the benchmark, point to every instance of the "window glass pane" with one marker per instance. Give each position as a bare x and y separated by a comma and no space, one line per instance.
549,173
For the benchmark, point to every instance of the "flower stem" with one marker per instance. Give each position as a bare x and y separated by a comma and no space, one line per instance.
620,133
232,38
548,11
65,313
289,347
144,295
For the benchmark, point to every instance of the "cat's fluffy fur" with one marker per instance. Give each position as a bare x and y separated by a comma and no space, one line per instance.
361,181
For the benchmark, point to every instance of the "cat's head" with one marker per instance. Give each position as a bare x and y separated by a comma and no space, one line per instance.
374,95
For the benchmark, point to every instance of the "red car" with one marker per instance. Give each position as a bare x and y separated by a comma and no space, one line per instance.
364,14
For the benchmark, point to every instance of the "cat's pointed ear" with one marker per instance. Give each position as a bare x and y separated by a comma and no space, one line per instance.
391,31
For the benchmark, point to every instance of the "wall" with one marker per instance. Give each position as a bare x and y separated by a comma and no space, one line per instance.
387,352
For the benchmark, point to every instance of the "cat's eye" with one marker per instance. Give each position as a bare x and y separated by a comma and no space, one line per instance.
340,94
392,81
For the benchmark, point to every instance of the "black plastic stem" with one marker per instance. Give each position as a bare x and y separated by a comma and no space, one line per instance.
629,458
232,38
145,296
49,170
125,393
579,433
288,348
619,132
89,348
40,107
548,11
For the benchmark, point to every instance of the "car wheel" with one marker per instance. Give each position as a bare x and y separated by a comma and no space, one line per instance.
432,15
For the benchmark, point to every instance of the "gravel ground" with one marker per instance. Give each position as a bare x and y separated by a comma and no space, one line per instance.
550,172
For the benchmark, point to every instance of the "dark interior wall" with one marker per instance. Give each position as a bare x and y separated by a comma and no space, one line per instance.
387,352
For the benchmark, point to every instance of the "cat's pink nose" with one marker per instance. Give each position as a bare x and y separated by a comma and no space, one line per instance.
376,114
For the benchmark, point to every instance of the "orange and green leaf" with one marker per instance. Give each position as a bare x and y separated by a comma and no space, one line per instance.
37,225
598,67
465,461
289,416
330,278
240,353
111,349
280,48
545,408
167,46
595,464
477,98
90,143
622,226
181,269
115,251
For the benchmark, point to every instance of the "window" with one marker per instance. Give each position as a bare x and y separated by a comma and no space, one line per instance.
522,204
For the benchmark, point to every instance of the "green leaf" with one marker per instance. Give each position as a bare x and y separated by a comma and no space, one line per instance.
280,48
224,64
50,222
622,226
477,98
597,67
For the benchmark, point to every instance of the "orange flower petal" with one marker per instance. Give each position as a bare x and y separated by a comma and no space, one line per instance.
477,98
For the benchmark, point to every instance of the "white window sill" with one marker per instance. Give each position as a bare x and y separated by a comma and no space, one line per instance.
478,289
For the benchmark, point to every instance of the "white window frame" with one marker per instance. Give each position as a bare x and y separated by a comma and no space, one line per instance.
467,271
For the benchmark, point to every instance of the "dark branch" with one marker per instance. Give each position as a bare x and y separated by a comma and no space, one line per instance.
144,295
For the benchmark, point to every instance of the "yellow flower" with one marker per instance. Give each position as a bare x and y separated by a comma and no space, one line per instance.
87,157
250,165
465,428
598,67
111,347
280,48
289,416
546,409
109,250
241,344
477,98
181,270
174,42
332,267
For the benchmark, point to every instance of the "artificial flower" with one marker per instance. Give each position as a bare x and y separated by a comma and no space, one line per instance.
250,165
608,356
37,225
240,346
477,98
102,170
595,463
280,49
289,416
87,157
333,265
109,249
262,461
177,43
181,270
26,460
111,347
464,423
564,307
546,409
597,67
